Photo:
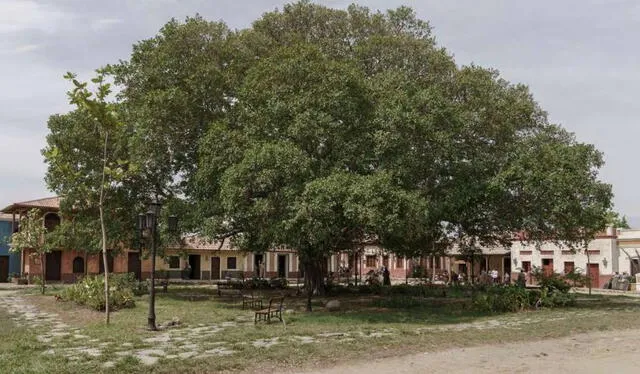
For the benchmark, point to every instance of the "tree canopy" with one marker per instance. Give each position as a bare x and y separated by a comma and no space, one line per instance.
318,128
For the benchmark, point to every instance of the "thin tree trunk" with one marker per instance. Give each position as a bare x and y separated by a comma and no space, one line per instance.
42,272
308,283
588,270
104,232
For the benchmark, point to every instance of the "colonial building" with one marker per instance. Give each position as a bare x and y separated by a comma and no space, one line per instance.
614,251
9,261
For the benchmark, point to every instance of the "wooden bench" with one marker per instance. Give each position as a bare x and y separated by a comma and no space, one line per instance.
273,310
233,285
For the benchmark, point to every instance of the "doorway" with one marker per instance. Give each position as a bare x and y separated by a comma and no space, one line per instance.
53,261
4,268
507,266
215,268
282,266
547,266
259,265
194,263
133,264
109,262
594,275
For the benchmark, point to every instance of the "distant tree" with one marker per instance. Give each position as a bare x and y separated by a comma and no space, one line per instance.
614,219
33,236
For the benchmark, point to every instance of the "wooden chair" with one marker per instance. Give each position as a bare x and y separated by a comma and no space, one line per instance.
252,301
273,310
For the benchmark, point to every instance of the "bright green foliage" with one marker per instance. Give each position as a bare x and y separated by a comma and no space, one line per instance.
90,292
33,236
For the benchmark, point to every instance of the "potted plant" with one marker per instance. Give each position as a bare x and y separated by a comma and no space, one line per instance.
632,283
17,279
14,277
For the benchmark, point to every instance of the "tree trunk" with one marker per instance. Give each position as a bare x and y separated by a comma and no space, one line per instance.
588,271
42,272
104,232
313,281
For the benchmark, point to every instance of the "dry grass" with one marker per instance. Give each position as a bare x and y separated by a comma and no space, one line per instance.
434,325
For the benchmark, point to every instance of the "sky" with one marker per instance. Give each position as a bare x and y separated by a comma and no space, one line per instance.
579,58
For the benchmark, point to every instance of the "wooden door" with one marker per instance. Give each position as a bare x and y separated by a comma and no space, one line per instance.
594,274
215,268
282,266
133,264
109,262
53,262
4,268
547,266
194,262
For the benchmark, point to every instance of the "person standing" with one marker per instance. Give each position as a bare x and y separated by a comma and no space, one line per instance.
386,277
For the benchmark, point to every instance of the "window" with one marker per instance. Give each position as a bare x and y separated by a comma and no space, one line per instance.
399,262
231,263
174,262
569,266
78,265
51,221
371,261
526,266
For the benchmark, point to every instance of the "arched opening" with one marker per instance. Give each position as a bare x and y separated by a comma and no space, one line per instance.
51,221
78,265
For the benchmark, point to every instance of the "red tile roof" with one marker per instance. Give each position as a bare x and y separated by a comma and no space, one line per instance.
48,203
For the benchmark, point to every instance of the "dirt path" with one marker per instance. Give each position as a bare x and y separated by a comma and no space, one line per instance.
602,352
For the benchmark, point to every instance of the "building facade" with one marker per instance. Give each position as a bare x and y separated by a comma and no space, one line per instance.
9,261
614,251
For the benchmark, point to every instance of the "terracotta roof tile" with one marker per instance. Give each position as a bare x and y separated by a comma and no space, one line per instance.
46,203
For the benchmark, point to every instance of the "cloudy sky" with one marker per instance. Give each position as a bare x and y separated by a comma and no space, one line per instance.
579,57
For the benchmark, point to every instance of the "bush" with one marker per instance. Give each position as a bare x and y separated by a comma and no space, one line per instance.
501,299
256,284
279,283
551,299
419,271
129,281
90,292
576,278
551,282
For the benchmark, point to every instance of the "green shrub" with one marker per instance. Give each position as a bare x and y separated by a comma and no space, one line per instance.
576,278
551,282
499,299
554,298
90,292
279,283
256,284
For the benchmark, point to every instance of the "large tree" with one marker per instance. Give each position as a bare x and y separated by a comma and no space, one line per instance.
320,129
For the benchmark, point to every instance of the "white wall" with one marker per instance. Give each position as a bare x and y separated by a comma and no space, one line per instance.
608,254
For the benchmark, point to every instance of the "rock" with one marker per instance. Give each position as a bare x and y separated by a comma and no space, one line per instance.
333,305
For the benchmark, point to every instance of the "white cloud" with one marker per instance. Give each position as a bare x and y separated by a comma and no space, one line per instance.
20,15
105,23
26,48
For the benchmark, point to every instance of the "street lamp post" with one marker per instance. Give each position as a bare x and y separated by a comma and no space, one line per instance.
148,226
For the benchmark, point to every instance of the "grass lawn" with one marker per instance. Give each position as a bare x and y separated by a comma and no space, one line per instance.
215,334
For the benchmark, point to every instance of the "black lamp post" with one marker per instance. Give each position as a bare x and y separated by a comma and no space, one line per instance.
148,226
